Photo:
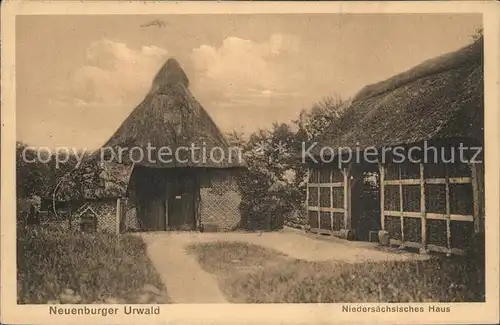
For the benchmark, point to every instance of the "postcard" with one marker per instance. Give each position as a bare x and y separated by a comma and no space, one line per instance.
252,163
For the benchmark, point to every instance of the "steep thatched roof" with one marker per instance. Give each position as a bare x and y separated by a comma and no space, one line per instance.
441,98
171,117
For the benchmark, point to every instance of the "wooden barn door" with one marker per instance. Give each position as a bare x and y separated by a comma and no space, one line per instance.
181,202
158,213
151,213
150,195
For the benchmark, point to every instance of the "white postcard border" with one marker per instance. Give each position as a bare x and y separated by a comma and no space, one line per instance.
11,313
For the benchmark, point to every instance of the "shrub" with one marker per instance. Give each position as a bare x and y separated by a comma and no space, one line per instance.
264,214
297,217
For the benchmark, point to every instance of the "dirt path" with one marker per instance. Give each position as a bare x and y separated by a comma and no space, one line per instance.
187,282
310,247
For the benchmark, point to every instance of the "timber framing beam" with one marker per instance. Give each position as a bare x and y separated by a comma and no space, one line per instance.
451,180
331,184
308,175
448,210
423,210
381,168
326,209
346,171
331,200
401,206
476,197
435,216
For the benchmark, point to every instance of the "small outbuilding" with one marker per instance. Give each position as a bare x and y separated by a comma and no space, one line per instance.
92,194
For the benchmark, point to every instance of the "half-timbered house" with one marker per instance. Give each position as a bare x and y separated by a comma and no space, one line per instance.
416,140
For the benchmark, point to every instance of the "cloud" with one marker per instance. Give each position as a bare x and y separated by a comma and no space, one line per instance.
246,80
114,73
240,65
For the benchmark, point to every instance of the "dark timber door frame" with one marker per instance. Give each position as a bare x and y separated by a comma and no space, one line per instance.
166,213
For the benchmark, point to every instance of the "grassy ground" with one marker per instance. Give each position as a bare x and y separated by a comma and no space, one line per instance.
253,274
64,267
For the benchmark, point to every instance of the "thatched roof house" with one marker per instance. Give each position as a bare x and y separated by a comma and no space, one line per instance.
183,174
426,204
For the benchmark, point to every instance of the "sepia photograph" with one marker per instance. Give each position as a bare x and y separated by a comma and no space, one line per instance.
248,158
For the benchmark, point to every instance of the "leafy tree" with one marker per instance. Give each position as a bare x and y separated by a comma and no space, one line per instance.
274,185
313,122
37,178
32,176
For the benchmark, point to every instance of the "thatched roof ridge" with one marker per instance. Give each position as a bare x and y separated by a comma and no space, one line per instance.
441,98
170,116
468,54
169,75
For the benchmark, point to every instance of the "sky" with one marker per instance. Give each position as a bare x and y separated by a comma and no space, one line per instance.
79,77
